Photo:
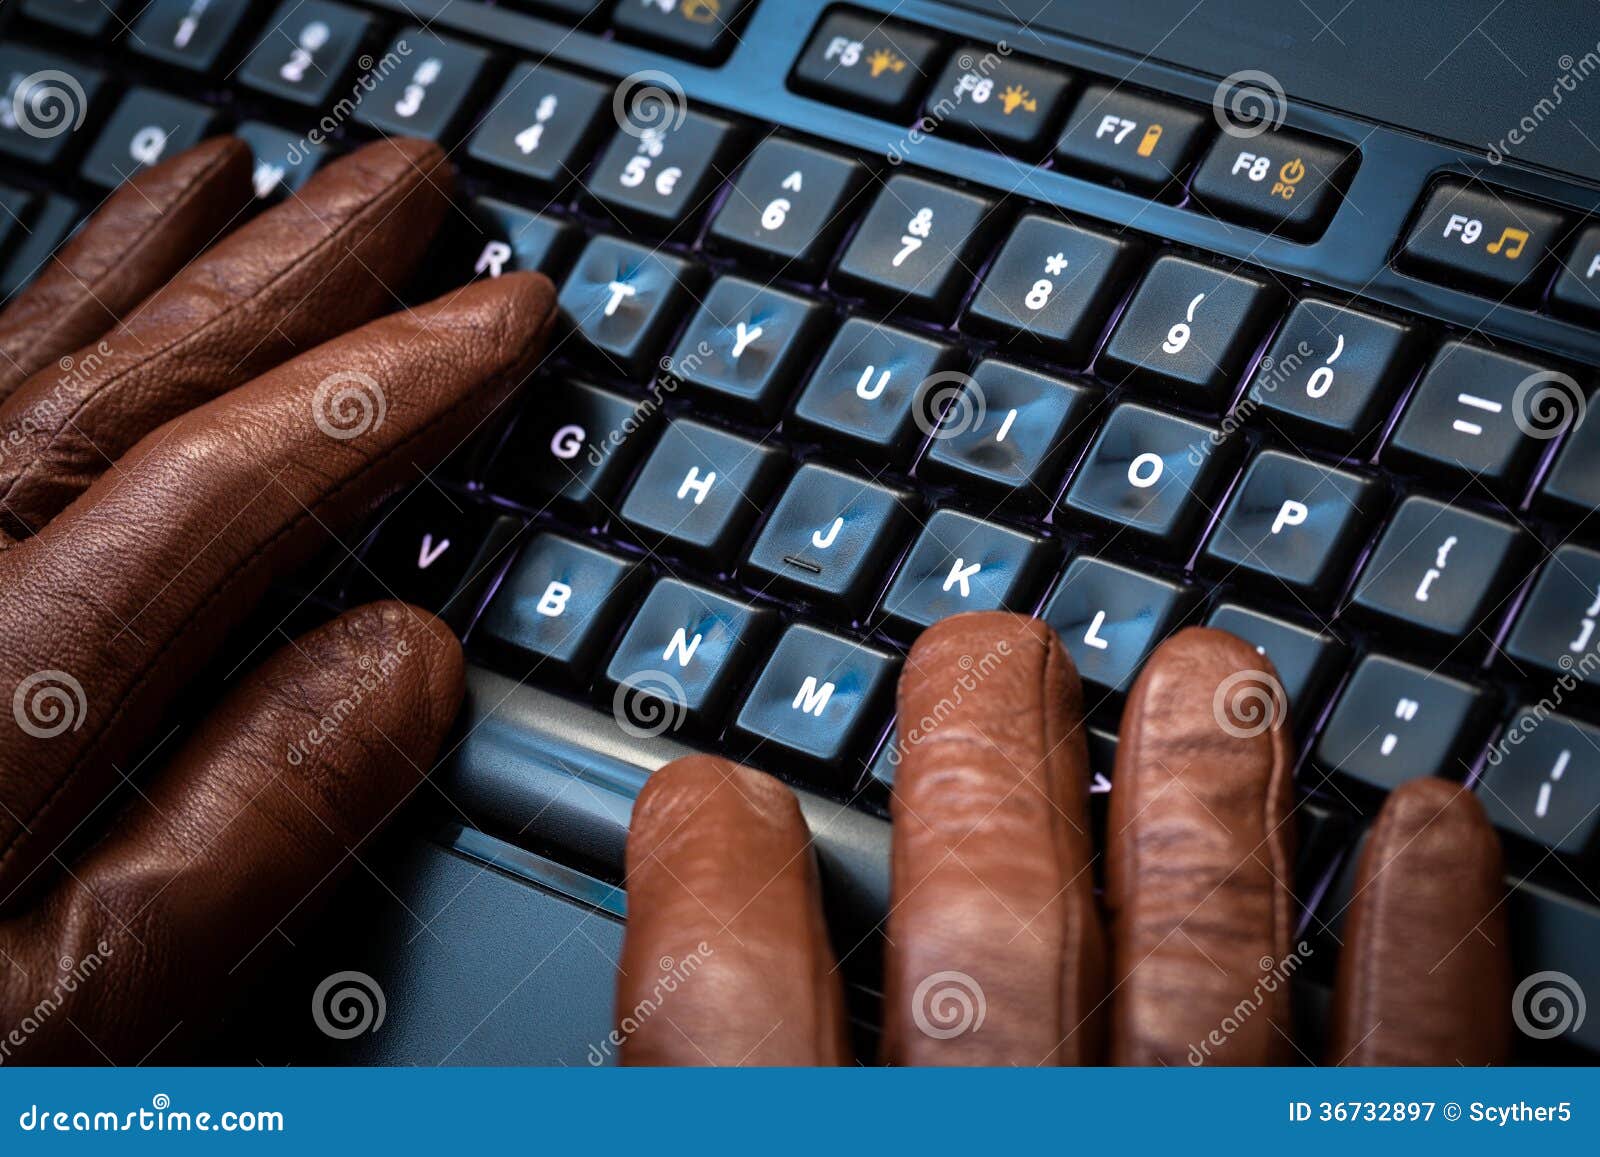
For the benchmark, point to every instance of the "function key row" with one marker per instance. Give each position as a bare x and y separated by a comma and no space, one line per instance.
1281,181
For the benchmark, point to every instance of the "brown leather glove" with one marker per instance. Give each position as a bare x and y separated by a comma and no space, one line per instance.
994,948
181,422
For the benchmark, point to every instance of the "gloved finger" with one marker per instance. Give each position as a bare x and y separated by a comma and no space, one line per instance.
322,262
1200,847
726,960
1425,968
108,612
265,806
994,950
146,231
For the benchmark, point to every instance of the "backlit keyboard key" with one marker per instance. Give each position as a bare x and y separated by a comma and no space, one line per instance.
869,385
1190,330
625,301
572,447
1577,290
1558,629
867,63
189,33
918,248
41,115
1481,236
1541,782
960,563
747,344
1573,484
699,29
820,697
147,128
1010,431
1463,419
541,124
1053,285
831,539
1000,101
304,50
790,205
1131,141
498,238
1306,661
425,95
284,160
661,175
1110,618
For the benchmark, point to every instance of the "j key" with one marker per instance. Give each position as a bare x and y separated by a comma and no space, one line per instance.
305,50
1155,473
661,176
1577,291
436,552
700,29
1481,237
1053,284
1396,722
40,116
1442,570
868,64
867,387
189,33
748,343
557,607
1573,484
1009,431
51,224
790,205
573,446
284,160
1283,182
1296,523
425,94
1005,103
1542,781
15,206
831,539
1464,420
498,238
918,248
1131,141
1190,330
1111,618
820,697
147,128
683,657
1306,661
79,17
700,491
1332,374
625,301
960,563
1558,628
540,125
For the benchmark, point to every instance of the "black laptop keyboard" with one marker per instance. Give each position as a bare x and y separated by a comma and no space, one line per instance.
807,400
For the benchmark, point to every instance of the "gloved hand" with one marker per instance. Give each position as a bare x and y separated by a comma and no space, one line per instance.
995,951
187,413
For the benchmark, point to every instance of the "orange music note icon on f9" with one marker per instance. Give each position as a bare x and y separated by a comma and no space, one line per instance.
1518,239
